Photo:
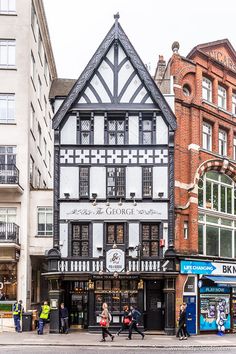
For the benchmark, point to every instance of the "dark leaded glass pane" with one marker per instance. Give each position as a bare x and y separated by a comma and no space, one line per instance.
120,125
110,234
147,181
145,232
84,234
112,125
76,233
147,138
85,125
147,124
154,232
111,138
80,240
120,182
111,182
146,250
120,234
85,138
154,249
120,138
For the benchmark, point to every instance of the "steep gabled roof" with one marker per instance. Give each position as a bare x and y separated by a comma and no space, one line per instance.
116,34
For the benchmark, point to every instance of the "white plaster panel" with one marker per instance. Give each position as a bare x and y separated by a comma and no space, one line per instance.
97,239
133,237
141,94
57,104
133,130
160,181
121,54
124,73
69,130
64,239
171,101
98,181
98,130
82,100
69,181
135,83
149,100
110,55
107,74
98,86
90,95
134,181
161,131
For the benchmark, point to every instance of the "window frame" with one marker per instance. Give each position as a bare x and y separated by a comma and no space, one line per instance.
150,241
81,195
234,103
117,168
47,210
223,142
149,180
8,43
208,136
116,132
80,241
9,97
116,225
222,97
207,88
8,11
143,131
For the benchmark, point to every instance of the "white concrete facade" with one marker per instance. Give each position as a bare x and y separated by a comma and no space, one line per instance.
28,81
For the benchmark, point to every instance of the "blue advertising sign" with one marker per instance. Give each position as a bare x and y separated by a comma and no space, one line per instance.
213,289
195,267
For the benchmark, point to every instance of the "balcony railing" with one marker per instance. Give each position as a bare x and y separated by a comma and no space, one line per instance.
9,232
9,174
98,265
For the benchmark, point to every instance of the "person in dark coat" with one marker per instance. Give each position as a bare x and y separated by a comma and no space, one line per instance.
64,316
181,333
135,316
126,320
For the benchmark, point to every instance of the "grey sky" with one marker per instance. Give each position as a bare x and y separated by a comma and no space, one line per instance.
77,27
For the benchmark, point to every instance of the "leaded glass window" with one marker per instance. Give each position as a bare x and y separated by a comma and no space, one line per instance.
116,132
115,182
147,132
80,240
150,240
115,234
147,181
85,131
84,182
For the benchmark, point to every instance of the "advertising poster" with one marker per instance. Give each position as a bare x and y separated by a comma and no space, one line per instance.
213,306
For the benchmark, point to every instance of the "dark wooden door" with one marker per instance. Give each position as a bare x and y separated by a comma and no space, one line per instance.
155,319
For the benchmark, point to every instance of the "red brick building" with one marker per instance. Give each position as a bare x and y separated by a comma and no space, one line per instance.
203,85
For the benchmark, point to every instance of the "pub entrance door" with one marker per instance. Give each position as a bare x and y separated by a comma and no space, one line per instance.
155,313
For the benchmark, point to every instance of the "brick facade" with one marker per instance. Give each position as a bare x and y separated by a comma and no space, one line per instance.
215,61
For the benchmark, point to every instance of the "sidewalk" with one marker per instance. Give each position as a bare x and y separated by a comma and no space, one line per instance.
89,339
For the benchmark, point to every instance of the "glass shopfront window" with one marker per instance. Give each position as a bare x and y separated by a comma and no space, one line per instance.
8,282
116,293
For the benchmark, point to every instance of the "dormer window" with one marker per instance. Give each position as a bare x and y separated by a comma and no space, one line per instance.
221,97
206,89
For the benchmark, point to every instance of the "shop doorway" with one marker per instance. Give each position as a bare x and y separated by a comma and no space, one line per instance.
191,313
155,313
76,300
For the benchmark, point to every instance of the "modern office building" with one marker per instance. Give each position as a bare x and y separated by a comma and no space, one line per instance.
204,86
26,150
113,197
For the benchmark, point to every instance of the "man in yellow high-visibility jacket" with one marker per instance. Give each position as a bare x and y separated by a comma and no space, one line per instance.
17,315
43,316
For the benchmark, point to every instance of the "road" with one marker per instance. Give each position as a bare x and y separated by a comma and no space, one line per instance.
103,350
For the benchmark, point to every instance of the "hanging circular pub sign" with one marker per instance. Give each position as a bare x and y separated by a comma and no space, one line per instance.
115,260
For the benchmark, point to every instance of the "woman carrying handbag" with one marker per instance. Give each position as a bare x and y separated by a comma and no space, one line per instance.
105,322
126,320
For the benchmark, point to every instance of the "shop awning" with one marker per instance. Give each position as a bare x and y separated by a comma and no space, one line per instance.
228,281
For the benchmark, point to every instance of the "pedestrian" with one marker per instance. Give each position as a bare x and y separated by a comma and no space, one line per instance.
181,333
186,328
135,316
43,316
126,320
105,322
17,315
64,316
2,296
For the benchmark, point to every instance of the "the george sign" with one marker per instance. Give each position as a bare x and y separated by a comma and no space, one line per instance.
204,268
87,211
115,260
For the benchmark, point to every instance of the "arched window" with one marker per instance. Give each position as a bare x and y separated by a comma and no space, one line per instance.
217,215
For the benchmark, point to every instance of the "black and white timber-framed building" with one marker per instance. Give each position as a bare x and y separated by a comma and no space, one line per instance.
113,192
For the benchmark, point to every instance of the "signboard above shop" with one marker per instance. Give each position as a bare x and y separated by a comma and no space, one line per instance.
87,211
207,268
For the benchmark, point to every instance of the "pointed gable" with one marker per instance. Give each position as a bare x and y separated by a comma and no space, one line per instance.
115,76
221,51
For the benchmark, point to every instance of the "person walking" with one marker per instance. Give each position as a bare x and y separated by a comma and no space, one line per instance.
126,320
181,333
17,315
135,316
64,316
105,322
43,316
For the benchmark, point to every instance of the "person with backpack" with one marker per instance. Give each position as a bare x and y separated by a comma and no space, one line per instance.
135,316
17,315
126,320
43,316
105,322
